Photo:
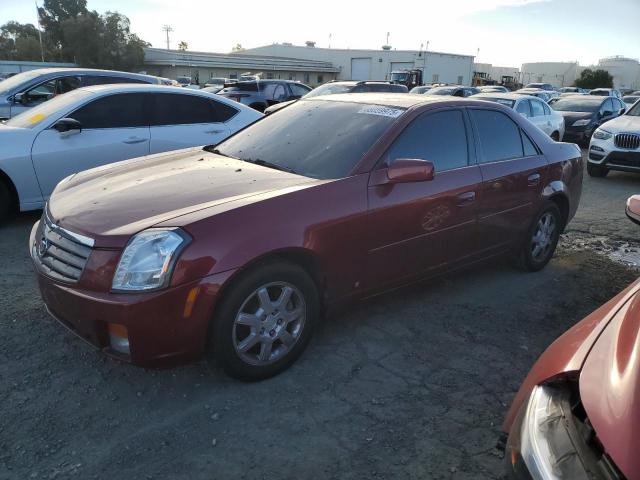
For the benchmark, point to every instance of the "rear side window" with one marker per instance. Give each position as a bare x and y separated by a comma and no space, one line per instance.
124,110
530,149
438,137
106,80
537,109
298,90
547,110
524,107
499,135
178,109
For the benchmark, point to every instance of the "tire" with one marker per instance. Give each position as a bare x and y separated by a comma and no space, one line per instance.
542,239
555,136
597,171
253,336
7,202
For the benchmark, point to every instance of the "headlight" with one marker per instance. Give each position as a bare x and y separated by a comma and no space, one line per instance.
148,259
601,134
581,123
547,437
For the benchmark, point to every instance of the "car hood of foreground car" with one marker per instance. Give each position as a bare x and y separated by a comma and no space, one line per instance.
610,387
111,203
623,123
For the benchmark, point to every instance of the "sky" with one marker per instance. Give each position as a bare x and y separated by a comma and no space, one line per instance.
500,32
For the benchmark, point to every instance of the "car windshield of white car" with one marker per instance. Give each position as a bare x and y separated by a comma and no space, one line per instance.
303,138
55,107
571,105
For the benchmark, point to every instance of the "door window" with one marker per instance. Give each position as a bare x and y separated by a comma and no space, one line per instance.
524,107
547,110
106,80
530,149
53,87
536,108
438,137
179,109
607,106
124,110
298,90
499,136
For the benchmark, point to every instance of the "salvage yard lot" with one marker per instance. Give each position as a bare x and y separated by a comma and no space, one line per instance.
411,384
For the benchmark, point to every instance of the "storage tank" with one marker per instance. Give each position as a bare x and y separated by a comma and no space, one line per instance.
625,71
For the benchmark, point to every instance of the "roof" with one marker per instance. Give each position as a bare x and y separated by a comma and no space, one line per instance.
137,87
505,96
46,71
401,100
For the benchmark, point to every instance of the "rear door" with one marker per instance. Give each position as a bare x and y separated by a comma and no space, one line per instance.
114,128
425,226
513,173
184,120
539,119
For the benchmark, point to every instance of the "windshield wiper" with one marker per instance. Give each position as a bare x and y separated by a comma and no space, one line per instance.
275,166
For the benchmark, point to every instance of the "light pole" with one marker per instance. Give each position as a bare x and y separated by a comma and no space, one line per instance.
167,29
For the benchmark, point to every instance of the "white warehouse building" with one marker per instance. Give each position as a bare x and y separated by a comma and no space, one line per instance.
558,74
367,64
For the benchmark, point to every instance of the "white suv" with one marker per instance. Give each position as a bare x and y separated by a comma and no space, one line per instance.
615,145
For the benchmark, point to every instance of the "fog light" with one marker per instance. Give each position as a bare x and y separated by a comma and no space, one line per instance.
596,148
119,338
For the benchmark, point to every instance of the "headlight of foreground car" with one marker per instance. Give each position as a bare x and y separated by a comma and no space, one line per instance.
148,260
581,123
601,134
547,442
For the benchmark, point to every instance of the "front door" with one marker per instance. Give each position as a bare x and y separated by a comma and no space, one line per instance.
513,175
420,227
114,128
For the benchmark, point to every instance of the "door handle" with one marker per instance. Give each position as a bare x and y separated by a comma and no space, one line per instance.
465,198
533,179
132,140
212,132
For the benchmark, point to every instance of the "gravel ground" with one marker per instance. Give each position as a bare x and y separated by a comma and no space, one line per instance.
412,384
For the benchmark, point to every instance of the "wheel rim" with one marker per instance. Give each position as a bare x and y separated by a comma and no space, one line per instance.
269,323
542,239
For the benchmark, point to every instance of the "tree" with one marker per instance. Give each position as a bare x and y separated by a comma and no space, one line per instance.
183,46
19,41
53,14
594,79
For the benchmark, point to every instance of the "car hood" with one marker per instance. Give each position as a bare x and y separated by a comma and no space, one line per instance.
111,203
610,387
623,123
570,117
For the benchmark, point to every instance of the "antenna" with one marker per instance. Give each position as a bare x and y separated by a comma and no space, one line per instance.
167,29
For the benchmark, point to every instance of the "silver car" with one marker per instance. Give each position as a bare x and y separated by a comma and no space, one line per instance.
28,89
262,94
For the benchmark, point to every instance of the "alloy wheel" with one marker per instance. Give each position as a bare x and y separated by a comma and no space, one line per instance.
542,239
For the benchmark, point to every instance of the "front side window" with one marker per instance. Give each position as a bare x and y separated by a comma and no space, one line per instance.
438,137
124,110
607,106
184,109
303,137
524,107
499,136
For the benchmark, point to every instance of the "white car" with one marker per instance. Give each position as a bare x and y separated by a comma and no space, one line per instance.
615,145
94,126
544,95
532,108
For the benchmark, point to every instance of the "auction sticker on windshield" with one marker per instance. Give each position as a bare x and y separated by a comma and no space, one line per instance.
382,111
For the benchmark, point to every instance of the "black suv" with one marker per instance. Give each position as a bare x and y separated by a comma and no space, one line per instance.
261,94
347,86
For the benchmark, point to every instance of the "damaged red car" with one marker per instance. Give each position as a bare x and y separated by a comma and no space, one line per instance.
234,250
576,414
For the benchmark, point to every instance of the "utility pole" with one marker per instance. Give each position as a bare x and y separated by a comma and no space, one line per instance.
167,29
424,65
39,31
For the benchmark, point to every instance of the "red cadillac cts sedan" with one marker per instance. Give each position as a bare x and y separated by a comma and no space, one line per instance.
234,250
576,416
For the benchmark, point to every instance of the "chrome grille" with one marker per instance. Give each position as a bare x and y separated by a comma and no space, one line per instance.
59,253
627,140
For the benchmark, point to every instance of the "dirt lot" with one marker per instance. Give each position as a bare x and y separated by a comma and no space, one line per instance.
413,384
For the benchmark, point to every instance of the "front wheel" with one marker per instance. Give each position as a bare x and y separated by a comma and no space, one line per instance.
542,239
264,322
597,171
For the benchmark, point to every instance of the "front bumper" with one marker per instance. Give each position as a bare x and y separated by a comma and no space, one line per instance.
577,134
164,328
606,154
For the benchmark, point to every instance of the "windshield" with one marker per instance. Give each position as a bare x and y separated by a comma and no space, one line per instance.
634,111
575,105
57,105
630,99
329,89
502,101
399,76
15,81
303,137
440,91
420,89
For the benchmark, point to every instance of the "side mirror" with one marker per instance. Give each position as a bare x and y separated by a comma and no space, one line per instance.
621,111
404,170
22,98
68,126
633,208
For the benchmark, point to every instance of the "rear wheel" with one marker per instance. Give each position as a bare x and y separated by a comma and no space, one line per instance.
542,239
597,171
264,322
